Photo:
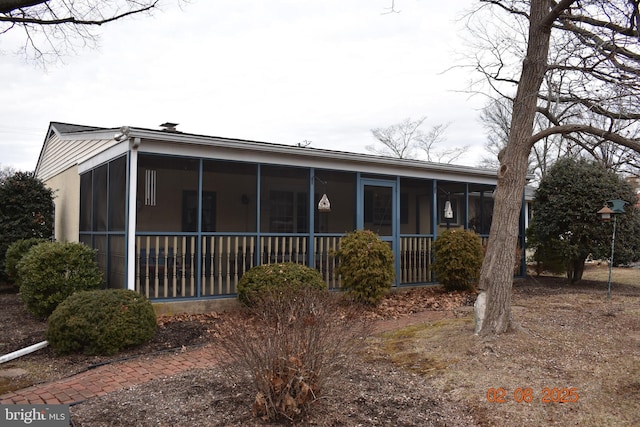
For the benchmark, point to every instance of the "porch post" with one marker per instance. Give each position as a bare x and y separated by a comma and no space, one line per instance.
466,206
397,250
359,203
131,214
434,208
312,218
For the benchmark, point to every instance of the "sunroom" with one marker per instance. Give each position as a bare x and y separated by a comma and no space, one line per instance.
178,216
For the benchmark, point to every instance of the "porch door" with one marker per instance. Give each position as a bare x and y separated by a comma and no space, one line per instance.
378,211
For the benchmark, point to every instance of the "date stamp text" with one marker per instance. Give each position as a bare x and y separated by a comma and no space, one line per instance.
528,395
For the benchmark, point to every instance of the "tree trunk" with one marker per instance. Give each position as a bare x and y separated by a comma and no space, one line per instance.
575,269
496,276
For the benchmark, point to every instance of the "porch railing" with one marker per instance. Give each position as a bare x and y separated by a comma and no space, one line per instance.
169,266
325,261
415,259
224,261
165,266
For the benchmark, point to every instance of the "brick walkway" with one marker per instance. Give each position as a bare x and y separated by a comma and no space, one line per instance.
111,377
114,376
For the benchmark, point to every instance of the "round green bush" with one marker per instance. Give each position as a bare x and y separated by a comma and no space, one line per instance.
366,266
270,277
51,271
458,261
101,322
15,252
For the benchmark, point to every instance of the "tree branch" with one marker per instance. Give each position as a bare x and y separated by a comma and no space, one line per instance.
607,135
74,20
556,11
7,6
625,31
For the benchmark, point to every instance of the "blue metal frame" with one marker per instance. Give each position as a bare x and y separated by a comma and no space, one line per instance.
395,208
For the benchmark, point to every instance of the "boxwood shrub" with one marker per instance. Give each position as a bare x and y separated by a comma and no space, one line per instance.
101,322
51,271
15,252
272,277
459,258
366,266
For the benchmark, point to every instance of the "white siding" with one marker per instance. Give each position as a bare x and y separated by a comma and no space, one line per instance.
59,154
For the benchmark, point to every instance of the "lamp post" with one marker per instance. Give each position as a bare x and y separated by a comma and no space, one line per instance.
610,211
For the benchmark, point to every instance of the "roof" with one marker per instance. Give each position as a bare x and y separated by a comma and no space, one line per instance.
70,128
71,144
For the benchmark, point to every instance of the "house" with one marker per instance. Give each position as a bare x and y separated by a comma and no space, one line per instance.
180,217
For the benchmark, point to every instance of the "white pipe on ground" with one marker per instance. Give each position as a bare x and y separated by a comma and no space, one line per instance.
24,351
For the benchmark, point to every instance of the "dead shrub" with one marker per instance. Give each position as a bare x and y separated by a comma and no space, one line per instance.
293,343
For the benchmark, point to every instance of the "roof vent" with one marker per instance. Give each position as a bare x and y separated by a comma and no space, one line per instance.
169,127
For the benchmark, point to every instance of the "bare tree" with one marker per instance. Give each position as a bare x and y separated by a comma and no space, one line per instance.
581,61
53,28
496,119
5,172
405,140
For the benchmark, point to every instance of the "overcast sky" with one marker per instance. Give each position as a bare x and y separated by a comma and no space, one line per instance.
279,71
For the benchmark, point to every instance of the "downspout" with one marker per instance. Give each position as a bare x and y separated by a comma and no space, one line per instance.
131,217
23,351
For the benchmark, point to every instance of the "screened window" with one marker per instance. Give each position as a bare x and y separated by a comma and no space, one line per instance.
86,201
163,182
415,206
284,198
100,198
340,188
230,196
117,194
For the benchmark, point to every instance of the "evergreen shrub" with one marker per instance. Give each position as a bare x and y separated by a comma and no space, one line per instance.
14,254
458,259
366,266
101,322
26,210
270,277
51,271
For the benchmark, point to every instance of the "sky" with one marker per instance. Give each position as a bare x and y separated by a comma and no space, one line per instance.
279,71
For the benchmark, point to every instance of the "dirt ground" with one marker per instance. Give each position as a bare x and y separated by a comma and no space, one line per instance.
574,360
